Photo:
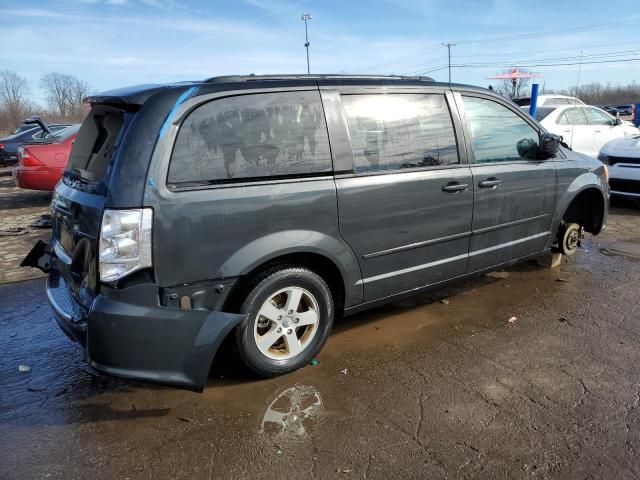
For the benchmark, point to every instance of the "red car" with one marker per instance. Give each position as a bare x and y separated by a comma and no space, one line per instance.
40,165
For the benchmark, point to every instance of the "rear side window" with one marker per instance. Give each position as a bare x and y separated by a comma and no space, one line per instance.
573,116
499,134
399,131
251,137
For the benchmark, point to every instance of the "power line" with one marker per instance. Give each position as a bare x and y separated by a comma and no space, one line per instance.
527,52
519,62
553,33
480,65
539,60
550,33
416,69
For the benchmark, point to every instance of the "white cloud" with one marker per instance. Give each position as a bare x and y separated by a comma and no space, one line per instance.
34,13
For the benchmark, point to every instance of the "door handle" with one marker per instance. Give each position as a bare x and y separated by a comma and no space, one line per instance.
598,131
491,182
455,187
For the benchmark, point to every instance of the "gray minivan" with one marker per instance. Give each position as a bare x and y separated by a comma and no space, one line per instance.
261,208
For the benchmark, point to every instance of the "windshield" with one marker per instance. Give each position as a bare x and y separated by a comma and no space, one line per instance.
42,135
24,128
57,136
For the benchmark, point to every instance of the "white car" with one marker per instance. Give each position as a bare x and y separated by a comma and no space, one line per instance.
548,101
623,157
583,127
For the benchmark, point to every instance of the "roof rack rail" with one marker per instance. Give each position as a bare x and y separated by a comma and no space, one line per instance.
253,78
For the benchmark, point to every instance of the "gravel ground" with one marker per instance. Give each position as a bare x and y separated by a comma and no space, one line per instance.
424,388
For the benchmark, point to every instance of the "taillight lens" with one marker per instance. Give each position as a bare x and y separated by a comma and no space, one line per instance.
1,146
27,159
125,242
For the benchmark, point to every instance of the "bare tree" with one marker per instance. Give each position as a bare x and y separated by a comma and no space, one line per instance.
516,87
79,91
65,94
599,94
13,93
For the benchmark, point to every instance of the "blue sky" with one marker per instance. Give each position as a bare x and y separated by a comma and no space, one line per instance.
112,43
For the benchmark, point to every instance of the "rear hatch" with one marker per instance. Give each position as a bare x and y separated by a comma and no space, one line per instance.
79,200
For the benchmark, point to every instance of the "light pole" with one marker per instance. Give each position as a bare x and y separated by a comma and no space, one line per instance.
305,17
449,45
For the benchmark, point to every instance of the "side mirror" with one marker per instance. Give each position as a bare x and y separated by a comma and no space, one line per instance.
549,145
617,121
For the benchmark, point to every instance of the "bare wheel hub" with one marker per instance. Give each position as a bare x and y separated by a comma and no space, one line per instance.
572,235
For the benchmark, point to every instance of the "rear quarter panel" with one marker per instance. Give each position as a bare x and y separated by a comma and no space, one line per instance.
226,231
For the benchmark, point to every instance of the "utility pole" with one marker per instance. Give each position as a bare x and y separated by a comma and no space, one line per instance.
449,45
579,72
305,17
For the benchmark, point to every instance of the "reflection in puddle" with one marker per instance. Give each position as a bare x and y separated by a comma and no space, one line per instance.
292,409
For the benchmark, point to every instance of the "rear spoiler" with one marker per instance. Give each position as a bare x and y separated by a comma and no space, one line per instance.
128,98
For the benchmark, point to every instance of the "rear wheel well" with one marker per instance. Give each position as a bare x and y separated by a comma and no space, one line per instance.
587,210
319,264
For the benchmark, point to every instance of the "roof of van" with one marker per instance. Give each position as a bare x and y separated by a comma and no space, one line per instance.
139,94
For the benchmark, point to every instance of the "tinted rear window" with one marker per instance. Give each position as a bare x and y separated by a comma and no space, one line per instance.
251,137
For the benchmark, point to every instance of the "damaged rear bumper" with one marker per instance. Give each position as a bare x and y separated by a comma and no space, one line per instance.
127,333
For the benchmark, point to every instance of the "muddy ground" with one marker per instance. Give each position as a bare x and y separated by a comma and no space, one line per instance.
418,389
19,212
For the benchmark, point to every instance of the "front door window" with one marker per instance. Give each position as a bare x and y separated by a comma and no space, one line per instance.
498,134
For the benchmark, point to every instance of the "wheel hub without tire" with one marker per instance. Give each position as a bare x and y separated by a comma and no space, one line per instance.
571,238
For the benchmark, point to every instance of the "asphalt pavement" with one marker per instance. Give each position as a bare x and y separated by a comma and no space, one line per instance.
525,373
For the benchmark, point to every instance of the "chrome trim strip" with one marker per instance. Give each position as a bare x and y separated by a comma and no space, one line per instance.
412,269
61,253
508,244
510,224
415,268
417,245
624,194
457,236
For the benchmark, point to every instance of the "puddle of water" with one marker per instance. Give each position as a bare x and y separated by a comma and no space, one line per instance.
473,304
630,249
293,411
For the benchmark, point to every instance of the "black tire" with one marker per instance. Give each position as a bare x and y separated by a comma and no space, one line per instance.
267,285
